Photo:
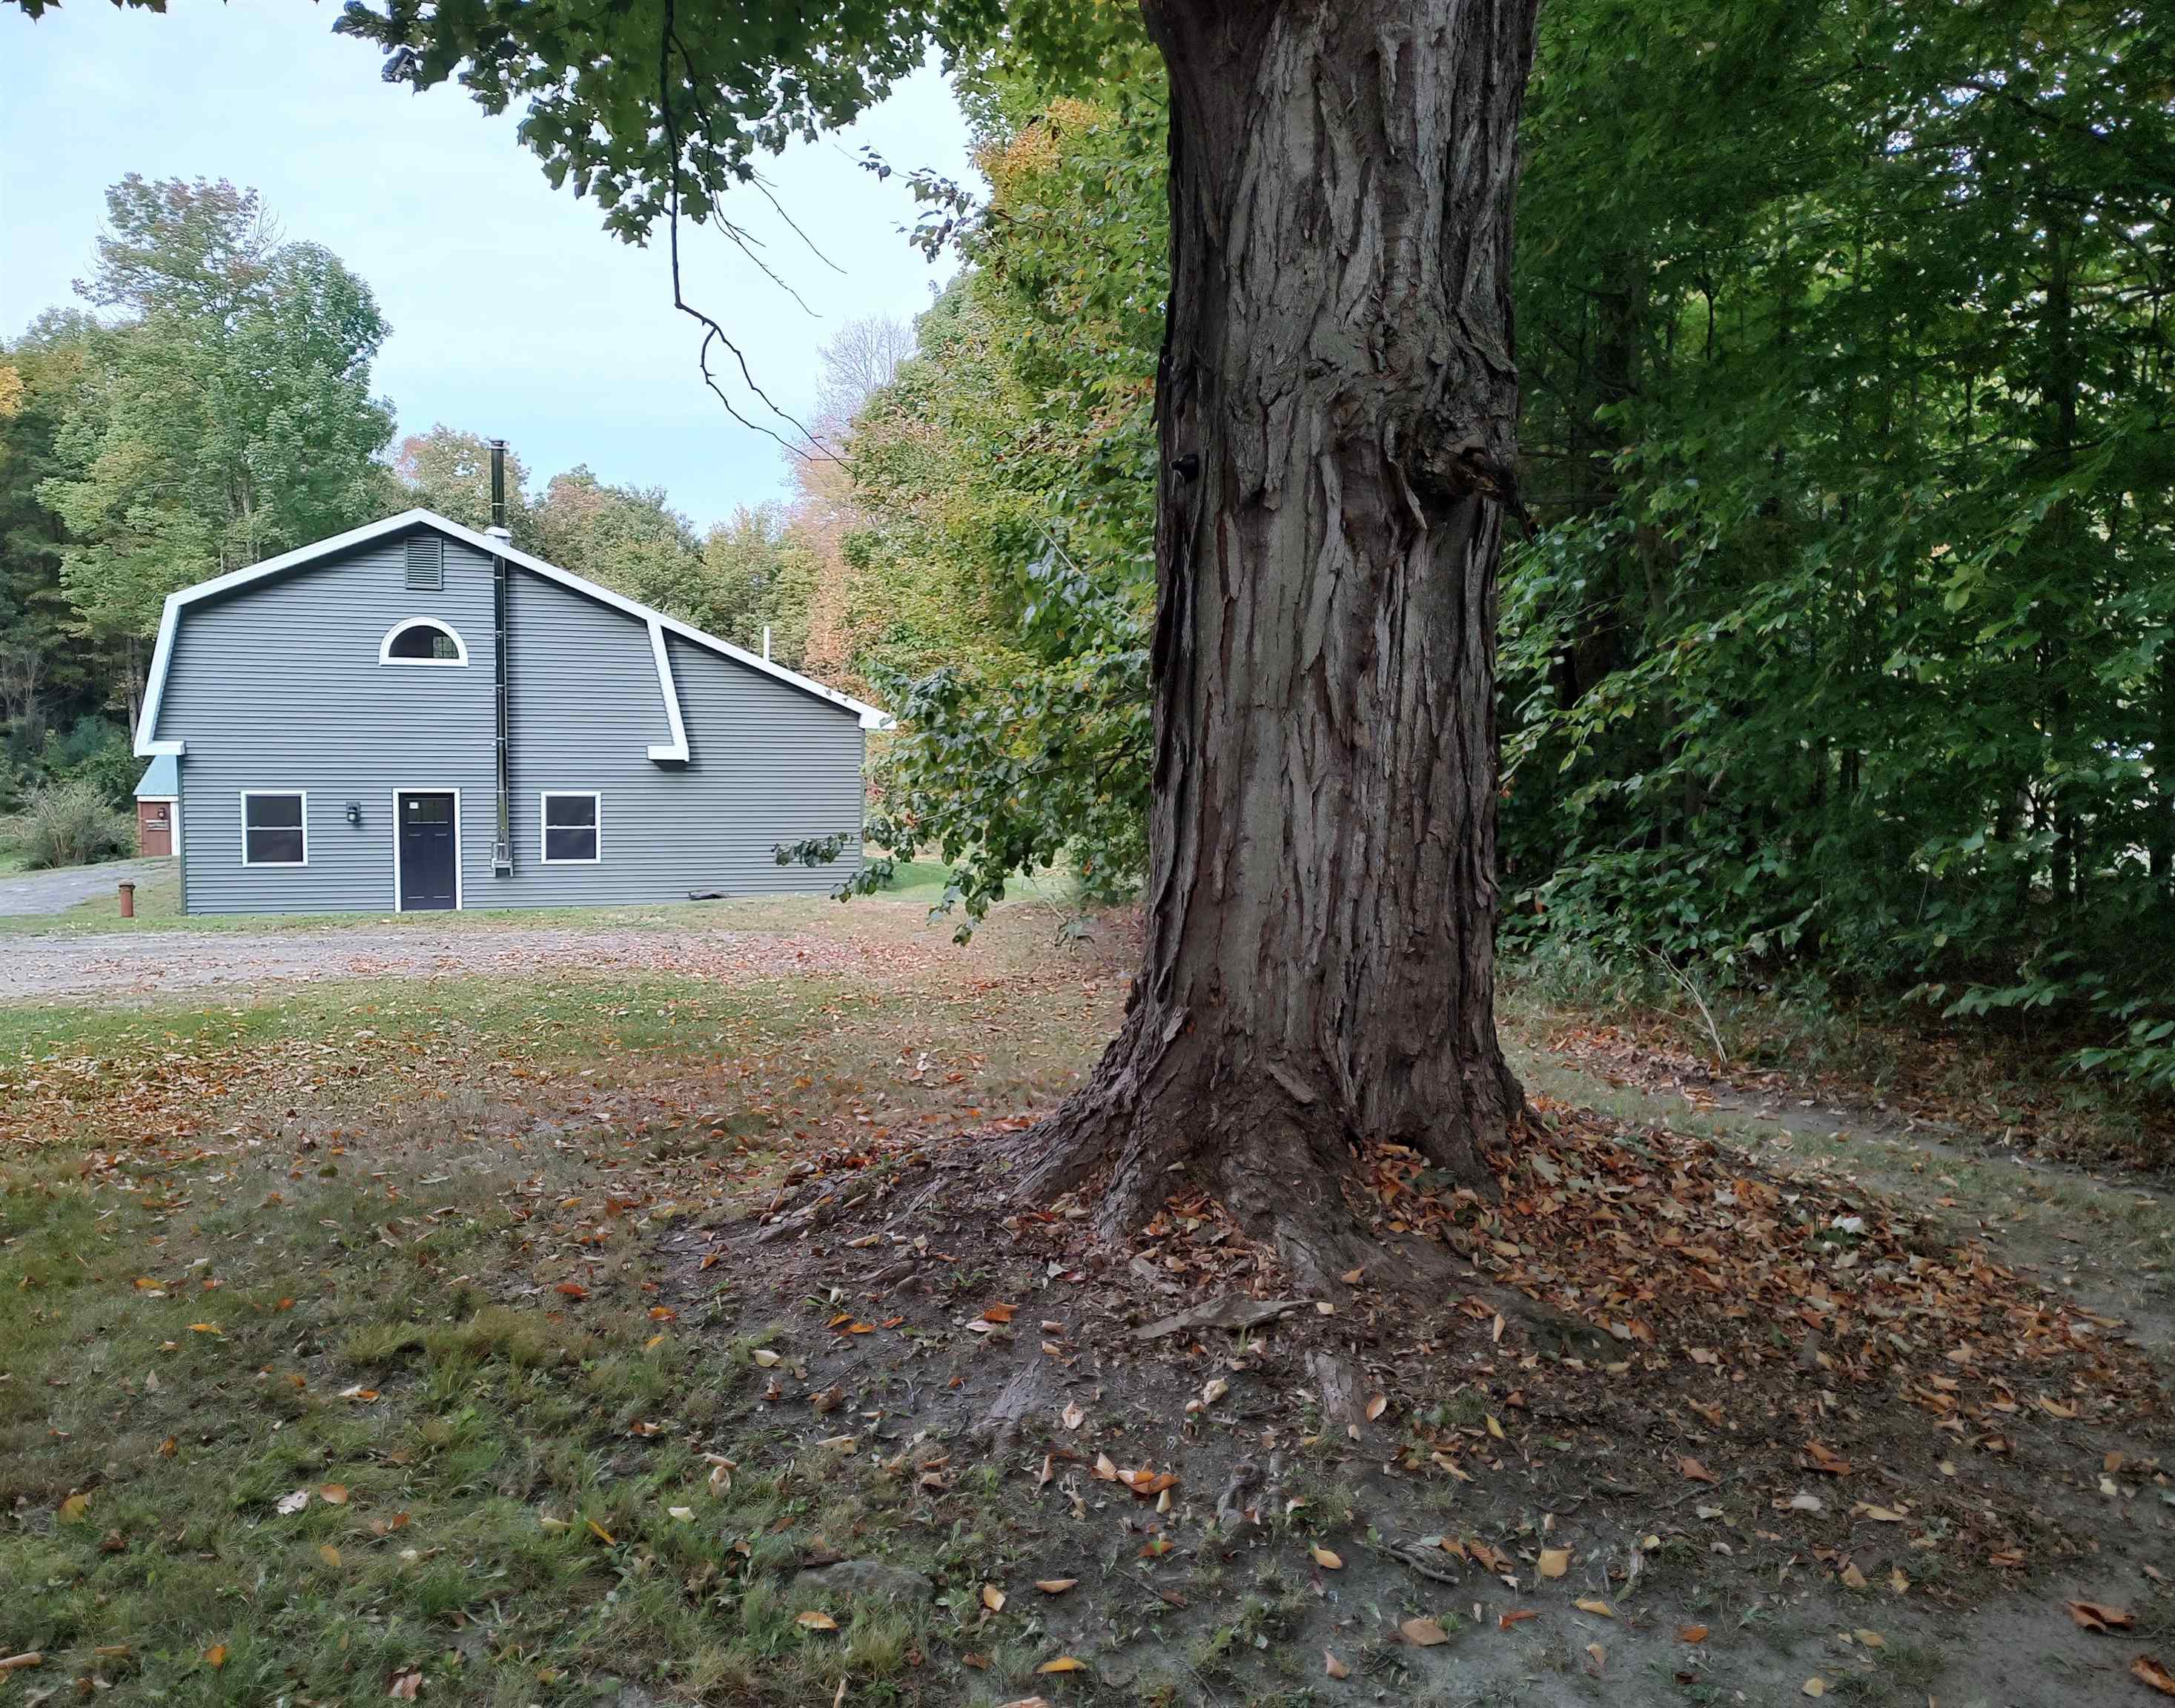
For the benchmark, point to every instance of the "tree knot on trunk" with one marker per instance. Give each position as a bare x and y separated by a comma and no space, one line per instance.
1443,474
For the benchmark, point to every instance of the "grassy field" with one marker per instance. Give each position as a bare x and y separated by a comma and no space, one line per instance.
318,1254
354,1342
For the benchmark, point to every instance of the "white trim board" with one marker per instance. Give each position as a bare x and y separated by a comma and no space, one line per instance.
675,751
162,654
460,901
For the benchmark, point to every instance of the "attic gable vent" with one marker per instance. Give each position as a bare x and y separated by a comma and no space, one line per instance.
426,563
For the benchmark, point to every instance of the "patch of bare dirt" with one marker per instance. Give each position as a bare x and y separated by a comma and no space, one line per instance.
1676,1430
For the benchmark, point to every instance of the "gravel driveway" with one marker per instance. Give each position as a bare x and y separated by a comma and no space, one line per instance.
150,964
57,891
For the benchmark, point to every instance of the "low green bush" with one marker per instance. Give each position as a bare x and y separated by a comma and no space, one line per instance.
70,824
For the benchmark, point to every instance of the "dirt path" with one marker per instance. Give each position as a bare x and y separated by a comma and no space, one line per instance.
154,963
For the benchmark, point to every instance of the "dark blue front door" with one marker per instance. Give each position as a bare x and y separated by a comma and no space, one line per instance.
427,853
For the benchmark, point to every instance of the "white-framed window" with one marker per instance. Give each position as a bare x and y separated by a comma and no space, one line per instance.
422,641
572,828
275,827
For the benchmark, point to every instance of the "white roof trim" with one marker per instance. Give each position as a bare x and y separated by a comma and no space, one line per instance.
675,751
162,654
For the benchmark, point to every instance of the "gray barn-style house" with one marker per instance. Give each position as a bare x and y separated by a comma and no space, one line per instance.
415,716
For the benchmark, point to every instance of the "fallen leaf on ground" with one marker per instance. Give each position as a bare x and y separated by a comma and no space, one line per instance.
1691,1634
1516,1616
1325,1559
74,1507
1335,1667
1422,1634
404,1685
2097,1616
294,1502
17,1663
1815,1686
2148,1671
998,1313
1055,1585
215,1656
1063,1663
1554,1561
1377,1406
1697,1472
1072,1417
1595,1605
1027,1702
764,1356
992,1598
815,1621
334,1494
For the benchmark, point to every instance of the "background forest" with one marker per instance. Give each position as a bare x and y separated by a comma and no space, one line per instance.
1839,646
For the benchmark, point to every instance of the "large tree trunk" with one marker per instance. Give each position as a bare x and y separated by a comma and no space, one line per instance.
1337,405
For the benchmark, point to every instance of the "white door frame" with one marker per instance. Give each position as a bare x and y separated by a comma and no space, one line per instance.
399,789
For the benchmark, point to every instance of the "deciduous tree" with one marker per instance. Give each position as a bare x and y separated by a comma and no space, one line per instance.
1337,398
1336,402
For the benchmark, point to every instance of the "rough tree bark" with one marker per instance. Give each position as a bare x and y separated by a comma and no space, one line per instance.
1337,405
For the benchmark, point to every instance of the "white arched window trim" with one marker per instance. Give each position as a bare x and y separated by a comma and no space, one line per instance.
385,647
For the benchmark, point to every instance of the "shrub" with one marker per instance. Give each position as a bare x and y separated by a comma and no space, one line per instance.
69,824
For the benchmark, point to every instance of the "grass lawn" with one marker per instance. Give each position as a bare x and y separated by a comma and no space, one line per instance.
373,1337
320,1251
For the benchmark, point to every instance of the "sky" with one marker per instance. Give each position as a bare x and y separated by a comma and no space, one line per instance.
514,314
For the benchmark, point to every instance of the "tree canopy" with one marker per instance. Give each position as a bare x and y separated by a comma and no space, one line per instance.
1841,653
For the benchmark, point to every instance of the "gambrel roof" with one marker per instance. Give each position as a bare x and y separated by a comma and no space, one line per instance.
657,623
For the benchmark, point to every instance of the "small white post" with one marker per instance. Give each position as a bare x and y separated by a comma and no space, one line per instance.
765,643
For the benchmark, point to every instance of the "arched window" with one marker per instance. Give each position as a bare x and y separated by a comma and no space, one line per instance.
422,641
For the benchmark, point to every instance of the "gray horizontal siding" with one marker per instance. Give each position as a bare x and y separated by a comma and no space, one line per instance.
278,686
768,763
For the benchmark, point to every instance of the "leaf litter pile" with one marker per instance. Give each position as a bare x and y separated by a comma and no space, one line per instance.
1642,1399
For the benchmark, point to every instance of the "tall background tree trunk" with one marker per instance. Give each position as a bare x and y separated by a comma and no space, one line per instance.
1336,406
